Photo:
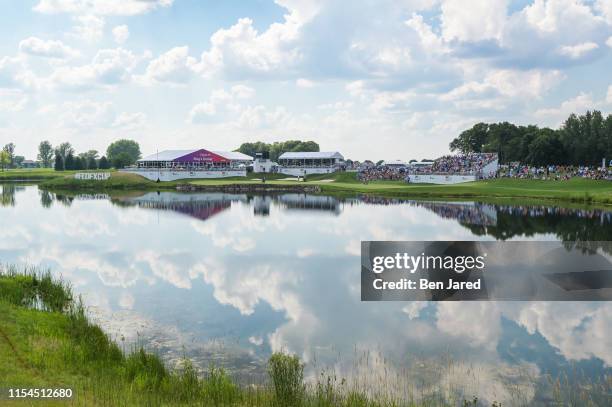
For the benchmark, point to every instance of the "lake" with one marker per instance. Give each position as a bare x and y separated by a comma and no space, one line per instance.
229,278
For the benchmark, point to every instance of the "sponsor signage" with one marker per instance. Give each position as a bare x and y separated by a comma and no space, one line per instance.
92,176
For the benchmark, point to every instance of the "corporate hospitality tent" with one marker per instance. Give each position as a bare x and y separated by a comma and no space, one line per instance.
194,159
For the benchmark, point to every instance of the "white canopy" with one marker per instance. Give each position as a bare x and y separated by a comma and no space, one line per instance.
311,155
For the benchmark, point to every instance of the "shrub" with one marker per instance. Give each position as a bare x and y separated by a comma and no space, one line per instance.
146,371
219,389
287,375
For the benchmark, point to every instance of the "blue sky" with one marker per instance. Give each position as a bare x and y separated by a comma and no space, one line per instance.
373,79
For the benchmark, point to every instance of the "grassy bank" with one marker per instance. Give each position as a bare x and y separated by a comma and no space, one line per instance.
117,180
46,340
34,174
575,190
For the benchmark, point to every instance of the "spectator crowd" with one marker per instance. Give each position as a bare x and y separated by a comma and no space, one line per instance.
462,164
465,164
474,163
381,173
553,172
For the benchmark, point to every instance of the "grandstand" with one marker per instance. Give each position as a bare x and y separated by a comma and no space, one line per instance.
450,169
300,163
454,169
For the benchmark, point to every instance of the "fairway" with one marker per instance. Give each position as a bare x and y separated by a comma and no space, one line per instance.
576,189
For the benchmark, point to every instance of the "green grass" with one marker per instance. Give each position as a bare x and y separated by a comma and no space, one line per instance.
46,340
575,190
117,180
33,174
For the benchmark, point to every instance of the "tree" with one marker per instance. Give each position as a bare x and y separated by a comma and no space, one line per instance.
124,152
69,162
64,150
10,150
45,153
78,164
92,164
46,200
277,148
103,164
59,162
253,148
546,149
18,160
5,159
585,140
471,140
88,158
122,160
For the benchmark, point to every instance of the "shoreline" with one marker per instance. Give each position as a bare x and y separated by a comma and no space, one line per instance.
577,190
47,340
72,352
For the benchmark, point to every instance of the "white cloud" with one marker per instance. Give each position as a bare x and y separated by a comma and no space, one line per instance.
580,330
14,74
413,308
12,100
578,50
304,83
165,267
261,117
101,7
89,28
605,8
429,40
453,319
109,67
127,300
130,121
121,33
609,42
256,340
220,103
609,95
481,20
503,86
553,15
579,104
241,50
89,114
48,49
174,66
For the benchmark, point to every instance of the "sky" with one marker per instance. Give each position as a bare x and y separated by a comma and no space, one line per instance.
384,79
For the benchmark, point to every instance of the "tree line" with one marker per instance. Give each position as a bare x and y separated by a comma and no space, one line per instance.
276,149
119,154
581,140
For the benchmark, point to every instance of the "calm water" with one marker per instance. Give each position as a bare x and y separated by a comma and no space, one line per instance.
231,278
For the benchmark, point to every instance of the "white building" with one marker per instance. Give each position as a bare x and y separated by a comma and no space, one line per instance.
171,165
395,164
236,158
421,164
301,163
